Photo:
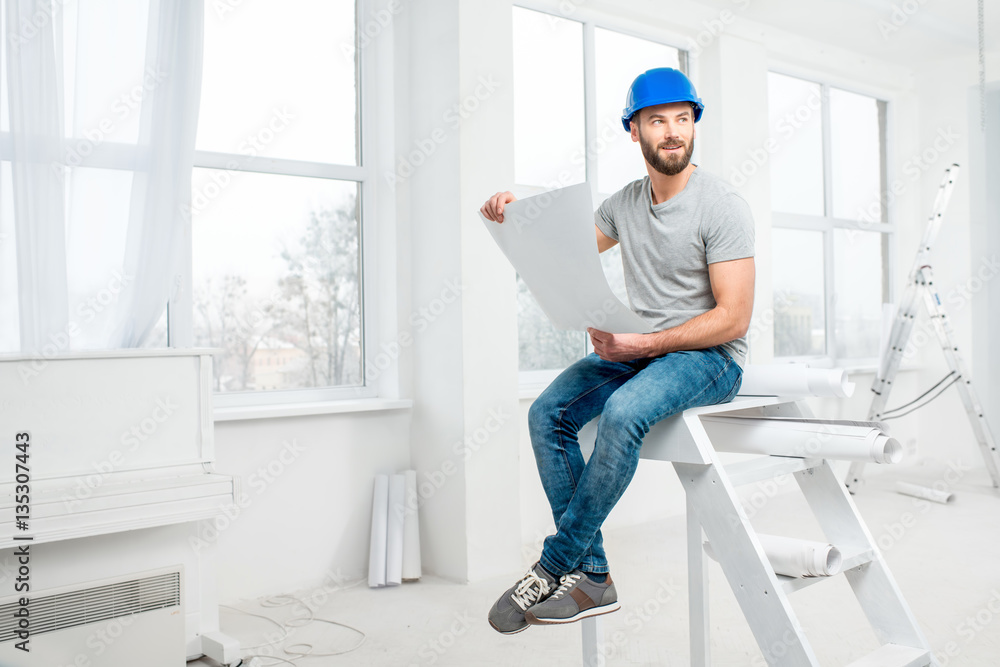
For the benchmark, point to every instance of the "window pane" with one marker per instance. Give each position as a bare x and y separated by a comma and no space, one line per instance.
548,76
859,291
10,336
799,311
279,80
284,301
102,85
96,232
796,123
105,84
856,156
618,60
540,345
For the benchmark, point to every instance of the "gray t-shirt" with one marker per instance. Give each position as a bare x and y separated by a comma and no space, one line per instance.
666,248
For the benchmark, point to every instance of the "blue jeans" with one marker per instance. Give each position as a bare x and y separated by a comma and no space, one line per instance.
630,397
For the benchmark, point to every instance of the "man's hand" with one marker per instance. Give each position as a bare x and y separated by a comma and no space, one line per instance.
493,208
618,347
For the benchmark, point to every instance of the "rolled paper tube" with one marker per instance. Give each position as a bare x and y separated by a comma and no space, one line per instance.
795,380
800,558
394,531
805,439
796,558
411,530
380,515
924,492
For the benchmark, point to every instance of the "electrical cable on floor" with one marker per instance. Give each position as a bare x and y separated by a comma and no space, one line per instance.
284,601
266,618
928,401
271,657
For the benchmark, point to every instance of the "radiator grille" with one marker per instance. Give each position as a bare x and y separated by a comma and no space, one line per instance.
100,603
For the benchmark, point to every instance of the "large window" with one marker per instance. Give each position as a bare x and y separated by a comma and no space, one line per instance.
277,199
564,136
831,235
280,187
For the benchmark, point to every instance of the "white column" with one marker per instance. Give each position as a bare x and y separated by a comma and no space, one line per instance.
454,148
426,177
984,223
489,304
731,78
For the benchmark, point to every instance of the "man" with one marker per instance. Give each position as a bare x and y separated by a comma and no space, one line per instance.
687,242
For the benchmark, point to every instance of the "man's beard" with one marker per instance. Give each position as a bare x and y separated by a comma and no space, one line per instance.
668,165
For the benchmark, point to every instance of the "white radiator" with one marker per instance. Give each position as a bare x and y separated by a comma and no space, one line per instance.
131,620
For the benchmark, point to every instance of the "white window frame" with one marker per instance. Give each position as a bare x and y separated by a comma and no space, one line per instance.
532,380
365,173
827,223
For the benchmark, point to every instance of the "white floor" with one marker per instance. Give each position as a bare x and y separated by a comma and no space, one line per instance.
946,559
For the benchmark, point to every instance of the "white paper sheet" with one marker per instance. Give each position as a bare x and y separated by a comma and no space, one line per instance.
795,380
411,530
550,241
380,515
807,438
796,558
394,531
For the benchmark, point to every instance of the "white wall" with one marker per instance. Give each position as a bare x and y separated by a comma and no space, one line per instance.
304,511
943,99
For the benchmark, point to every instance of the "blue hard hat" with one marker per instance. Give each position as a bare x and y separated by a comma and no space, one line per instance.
661,85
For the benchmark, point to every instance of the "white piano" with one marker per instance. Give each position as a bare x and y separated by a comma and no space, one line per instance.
121,470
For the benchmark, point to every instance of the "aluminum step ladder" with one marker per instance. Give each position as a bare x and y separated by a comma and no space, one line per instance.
715,511
921,284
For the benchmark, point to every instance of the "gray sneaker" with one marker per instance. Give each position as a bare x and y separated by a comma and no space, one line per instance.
577,597
507,615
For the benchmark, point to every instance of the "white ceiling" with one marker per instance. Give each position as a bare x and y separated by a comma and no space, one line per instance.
935,30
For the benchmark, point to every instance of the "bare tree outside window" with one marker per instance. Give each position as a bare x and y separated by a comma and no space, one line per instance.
305,330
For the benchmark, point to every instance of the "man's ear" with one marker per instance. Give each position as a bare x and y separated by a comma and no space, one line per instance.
634,128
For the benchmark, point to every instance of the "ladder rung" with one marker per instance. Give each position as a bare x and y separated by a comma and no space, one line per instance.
894,655
852,558
767,467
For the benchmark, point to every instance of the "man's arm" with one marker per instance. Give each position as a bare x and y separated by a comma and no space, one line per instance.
732,285
604,242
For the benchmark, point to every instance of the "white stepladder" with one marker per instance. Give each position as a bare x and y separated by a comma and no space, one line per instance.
921,283
714,509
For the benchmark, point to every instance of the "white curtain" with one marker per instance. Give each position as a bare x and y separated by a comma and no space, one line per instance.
161,186
34,59
142,178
